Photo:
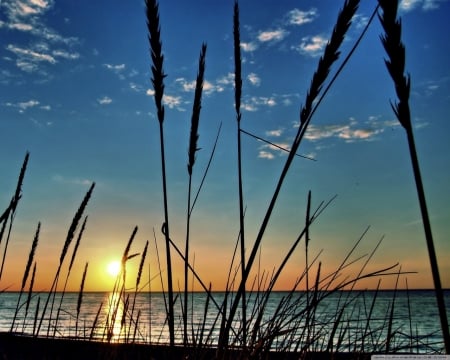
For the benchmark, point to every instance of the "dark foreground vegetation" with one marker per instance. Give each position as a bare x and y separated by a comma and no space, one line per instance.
244,332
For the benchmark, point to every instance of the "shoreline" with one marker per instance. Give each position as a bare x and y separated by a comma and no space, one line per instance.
20,346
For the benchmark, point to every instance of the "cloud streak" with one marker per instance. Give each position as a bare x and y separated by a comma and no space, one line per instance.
350,132
311,45
299,17
425,5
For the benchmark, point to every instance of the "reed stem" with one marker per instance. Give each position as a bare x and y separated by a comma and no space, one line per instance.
158,76
395,64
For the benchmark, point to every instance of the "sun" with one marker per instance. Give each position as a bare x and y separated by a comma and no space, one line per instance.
113,268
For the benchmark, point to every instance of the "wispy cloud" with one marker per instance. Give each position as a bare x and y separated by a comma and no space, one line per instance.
266,155
65,54
274,133
268,151
254,103
249,46
189,86
426,5
300,17
254,79
30,54
360,20
172,101
272,35
227,80
71,180
23,106
27,16
115,68
349,132
105,100
312,45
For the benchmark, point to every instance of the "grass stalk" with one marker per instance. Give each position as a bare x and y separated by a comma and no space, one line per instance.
154,35
136,288
36,313
72,260
94,324
70,234
30,293
330,56
237,104
395,64
80,297
27,272
193,148
11,211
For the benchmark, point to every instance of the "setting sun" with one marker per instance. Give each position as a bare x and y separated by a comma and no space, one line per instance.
113,268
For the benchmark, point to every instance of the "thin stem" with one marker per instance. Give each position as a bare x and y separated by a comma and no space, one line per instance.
237,96
158,76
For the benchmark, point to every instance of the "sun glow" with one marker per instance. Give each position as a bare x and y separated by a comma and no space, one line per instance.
113,268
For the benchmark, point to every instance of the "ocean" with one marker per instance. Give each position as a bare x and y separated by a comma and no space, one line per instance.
341,321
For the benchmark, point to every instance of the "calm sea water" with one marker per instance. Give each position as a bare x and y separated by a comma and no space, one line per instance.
352,320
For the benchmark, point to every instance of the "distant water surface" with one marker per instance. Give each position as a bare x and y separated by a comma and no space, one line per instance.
363,318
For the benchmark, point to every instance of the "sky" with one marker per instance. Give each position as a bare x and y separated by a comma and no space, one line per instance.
75,92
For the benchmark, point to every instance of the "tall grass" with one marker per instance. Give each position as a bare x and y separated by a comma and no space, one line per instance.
237,105
395,64
331,54
158,75
27,272
70,235
10,212
193,148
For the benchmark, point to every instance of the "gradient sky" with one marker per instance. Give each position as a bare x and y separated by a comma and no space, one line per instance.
75,91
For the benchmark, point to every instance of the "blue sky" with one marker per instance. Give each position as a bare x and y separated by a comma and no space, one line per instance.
75,91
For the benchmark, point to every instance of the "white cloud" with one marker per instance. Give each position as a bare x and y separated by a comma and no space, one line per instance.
28,104
265,155
254,79
20,26
226,80
254,103
136,87
65,54
274,133
33,55
26,8
358,134
272,35
248,47
115,68
172,101
208,87
409,5
350,132
360,21
105,100
312,45
299,17
73,181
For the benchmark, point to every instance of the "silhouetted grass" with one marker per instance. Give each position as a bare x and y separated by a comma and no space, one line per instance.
158,75
395,64
303,322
